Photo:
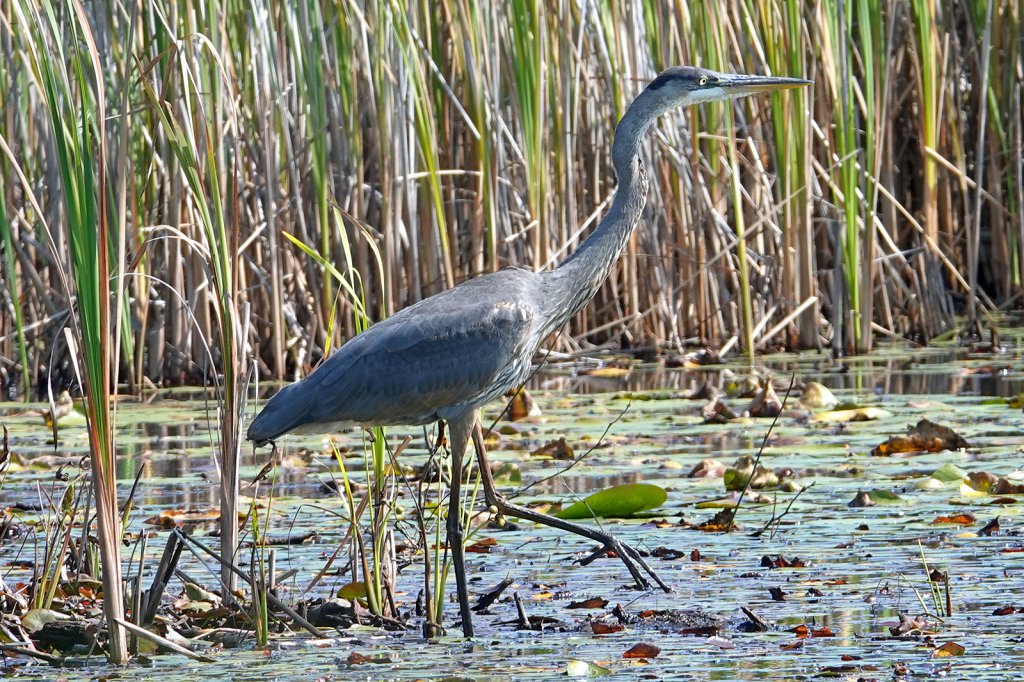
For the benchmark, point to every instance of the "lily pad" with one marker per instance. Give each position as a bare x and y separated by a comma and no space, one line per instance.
578,668
617,502
885,497
949,473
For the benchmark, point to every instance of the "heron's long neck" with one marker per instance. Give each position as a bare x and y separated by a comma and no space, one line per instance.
579,277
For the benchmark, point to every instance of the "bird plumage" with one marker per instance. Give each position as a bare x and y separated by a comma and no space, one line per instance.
446,356
450,352
457,350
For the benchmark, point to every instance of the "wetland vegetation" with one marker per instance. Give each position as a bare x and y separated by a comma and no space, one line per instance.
197,199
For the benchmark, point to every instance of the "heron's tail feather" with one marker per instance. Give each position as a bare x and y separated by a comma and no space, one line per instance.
287,410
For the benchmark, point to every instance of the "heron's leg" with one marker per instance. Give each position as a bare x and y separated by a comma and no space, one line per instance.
459,431
630,557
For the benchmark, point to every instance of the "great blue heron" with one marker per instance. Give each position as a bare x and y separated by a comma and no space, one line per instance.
448,355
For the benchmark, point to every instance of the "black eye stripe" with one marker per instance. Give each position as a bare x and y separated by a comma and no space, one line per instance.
660,81
689,75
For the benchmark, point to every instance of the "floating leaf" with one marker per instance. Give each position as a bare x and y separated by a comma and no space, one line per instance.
35,619
352,591
522,406
925,436
642,650
949,649
719,503
720,642
579,668
737,476
766,403
963,519
949,473
884,497
707,468
482,547
617,502
929,484
556,449
968,489
817,397
606,372
858,414
508,473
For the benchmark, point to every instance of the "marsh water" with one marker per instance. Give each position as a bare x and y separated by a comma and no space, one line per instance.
859,568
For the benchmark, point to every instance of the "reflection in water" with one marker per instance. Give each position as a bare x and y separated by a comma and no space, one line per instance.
929,372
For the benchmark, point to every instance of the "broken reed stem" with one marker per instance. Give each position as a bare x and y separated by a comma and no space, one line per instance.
164,642
271,598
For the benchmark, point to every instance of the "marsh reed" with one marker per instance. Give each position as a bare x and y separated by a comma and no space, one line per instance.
454,138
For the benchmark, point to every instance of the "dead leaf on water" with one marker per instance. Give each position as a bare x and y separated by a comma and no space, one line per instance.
856,414
556,449
925,436
742,471
766,403
991,528
483,546
591,603
962,519
579,668
717,412
717,523
169,518
642,650
707,468
782,562
522,406
602,628
861,499
802,632
606,372
949,649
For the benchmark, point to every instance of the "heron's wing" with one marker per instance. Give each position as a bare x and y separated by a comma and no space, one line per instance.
465,345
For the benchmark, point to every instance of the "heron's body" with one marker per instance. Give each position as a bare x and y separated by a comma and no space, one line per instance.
437,359
446,356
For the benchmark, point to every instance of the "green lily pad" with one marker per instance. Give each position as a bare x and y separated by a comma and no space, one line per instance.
352,591
617,502
578,668
884,497
949,473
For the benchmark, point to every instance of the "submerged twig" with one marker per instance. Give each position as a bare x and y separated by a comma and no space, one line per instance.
776,519
579,459
273,599
163,641
760,451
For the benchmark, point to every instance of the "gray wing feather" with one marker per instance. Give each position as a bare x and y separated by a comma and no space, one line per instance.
464,345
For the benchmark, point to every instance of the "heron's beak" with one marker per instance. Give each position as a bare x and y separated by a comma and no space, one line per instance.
736,85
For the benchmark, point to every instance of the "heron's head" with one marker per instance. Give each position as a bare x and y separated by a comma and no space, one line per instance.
685,85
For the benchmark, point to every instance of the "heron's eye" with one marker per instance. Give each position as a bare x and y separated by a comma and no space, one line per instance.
703,80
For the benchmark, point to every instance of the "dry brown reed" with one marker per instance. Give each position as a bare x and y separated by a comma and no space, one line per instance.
461,137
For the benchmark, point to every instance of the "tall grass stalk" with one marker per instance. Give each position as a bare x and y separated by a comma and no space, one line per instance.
381,475
72,86
13,289
464,154
197,130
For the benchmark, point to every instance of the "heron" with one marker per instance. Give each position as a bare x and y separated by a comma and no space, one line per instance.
446,356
